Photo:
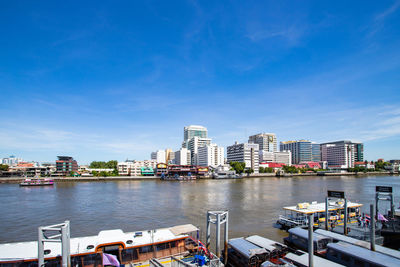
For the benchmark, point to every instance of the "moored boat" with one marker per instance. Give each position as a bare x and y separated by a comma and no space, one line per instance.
134,248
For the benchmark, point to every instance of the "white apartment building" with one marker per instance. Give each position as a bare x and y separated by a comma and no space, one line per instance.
342,154
133,168
182,157
277,156
194,144
283,157
245,152
210,155
11,160
159,156
265,141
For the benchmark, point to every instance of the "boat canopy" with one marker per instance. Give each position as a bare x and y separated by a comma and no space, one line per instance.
183,229
298,231
263,242
246,248
320,207
302,259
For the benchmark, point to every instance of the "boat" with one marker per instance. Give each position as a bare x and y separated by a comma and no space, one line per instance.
298,239
295,216
164,246
36,181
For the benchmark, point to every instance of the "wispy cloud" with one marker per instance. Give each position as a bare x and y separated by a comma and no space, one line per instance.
379,19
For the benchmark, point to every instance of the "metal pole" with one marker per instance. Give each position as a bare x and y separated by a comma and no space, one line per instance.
218,232
226,238
310,240
40,248
208,230
68,243
326,213
345,216
372,209
64,246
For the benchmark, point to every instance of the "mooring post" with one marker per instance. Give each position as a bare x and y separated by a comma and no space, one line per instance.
310,240
40,248
208,231
226,238
345,216
326,213
372,211
218,233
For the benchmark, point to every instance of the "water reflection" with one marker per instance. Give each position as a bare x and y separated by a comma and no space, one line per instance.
254,204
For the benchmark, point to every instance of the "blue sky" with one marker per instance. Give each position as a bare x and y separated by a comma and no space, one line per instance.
100,80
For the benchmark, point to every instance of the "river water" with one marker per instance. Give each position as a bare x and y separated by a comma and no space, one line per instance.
254,204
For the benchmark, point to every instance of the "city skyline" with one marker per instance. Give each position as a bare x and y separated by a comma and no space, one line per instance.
105,81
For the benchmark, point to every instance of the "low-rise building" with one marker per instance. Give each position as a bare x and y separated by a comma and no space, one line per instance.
134,167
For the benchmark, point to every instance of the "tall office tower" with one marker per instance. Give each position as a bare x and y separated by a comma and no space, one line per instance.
194,144
266,141
301,150
315,152
210,155
342,154
191,131
245,152
182,157
159,156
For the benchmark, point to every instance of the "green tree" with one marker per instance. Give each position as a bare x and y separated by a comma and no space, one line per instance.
268,170
238,166
249,171
261,170
3,167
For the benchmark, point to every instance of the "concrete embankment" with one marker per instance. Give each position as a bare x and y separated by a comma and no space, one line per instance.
142,178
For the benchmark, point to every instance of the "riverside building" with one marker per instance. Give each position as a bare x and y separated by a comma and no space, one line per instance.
277,157
135,167
194,144
342,154
159,156
245,152
65,165
182,157
302,151
211,155
266,141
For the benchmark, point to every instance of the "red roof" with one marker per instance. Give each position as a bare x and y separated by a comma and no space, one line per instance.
272,165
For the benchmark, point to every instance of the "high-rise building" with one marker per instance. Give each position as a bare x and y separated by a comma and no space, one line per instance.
210,155
182,157
159,156
342,154
11,161
266,141
194,144
302,150
191,131
315,152
65,165
169,155
245,152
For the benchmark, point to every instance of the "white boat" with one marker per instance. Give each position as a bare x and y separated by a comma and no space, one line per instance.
134,248
295,216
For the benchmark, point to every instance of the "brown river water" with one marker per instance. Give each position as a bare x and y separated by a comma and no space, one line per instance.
254,204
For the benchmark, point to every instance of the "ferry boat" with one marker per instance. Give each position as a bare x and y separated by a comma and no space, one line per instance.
36,181
133,248
295,216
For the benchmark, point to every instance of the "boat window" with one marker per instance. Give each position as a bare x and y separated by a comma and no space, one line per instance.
129,241
345,258
161,246
46,251
90,247
129,254
53,263
146,249
358,262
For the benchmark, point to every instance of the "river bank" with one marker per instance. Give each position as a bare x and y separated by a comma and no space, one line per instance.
14,180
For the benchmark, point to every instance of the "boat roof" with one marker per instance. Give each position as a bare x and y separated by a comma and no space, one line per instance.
320,207
263,242
298,231
78,245
303,260
245,247
365,254
361,243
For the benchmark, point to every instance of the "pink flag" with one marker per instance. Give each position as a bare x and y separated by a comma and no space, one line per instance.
109,259
381,217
